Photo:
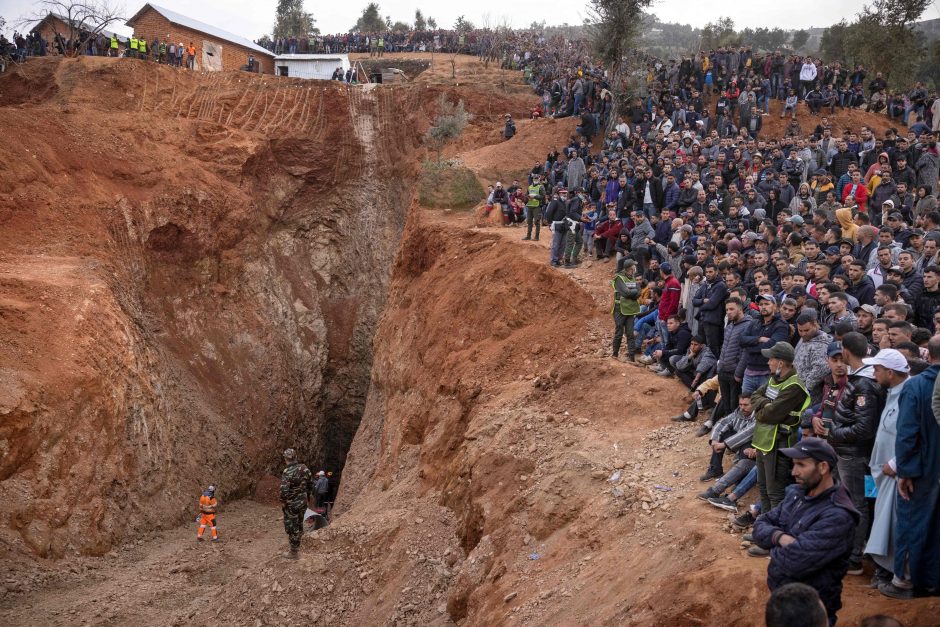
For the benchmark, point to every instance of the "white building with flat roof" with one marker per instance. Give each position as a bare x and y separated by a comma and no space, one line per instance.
313,66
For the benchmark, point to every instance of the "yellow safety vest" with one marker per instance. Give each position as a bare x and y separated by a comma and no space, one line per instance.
133,43
114,43
142,45
765,436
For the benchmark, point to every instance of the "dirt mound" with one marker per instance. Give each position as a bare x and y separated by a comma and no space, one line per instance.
775,126
515,157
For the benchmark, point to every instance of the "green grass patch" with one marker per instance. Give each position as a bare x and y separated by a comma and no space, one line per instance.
449,186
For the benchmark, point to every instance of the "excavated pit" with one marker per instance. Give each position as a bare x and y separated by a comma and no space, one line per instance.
192,271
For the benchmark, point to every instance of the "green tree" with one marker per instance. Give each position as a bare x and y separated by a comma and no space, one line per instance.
432,23
370,21
291,20
832,44
719,33
400,27
799,39
883,39
613,30
463,25
448,125
420,23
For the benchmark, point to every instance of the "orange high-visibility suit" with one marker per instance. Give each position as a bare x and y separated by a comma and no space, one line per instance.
207,507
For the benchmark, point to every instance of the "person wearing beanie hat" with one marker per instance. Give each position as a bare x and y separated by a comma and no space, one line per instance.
778,408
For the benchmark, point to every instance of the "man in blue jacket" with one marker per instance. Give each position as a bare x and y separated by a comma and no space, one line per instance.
810,534
917,455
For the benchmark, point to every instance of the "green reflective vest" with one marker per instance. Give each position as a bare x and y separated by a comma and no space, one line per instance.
765,436
133,43
627,306
142,44
534,190
114,43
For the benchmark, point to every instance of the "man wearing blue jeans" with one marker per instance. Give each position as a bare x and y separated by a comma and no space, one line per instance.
763,333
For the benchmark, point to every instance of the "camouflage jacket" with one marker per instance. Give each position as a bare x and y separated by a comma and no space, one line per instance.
296,484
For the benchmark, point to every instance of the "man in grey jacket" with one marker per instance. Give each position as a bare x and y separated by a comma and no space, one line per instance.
810,354
641,237
576,170
731,354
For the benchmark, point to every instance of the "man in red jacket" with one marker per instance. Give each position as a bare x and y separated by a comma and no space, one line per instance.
606,234
669,305
856,193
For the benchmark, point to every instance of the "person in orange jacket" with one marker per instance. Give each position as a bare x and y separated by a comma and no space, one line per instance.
207,508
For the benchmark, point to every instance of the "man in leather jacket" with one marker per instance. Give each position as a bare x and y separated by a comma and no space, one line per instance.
853,431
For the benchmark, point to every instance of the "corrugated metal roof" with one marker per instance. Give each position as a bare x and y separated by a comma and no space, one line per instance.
202,27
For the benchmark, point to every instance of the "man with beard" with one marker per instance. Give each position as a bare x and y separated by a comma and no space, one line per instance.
811,532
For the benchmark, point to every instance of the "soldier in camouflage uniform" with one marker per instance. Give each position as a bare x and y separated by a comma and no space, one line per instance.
296,488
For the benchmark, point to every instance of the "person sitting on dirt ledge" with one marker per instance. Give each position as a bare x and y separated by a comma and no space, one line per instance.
811,532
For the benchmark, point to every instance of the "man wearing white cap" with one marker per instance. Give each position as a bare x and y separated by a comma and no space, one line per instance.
891,372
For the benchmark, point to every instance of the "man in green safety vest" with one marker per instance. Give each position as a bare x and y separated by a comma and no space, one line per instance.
162,52
626,291
142,48
778,406
381,45
534,207
132,49
114,46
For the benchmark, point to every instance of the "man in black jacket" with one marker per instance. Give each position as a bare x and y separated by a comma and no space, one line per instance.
853,431
680,337
710,302
649,193
809,535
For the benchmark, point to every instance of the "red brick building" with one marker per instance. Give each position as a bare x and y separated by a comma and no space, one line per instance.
54,25
216,49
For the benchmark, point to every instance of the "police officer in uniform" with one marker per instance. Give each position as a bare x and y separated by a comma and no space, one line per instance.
626,291
296,489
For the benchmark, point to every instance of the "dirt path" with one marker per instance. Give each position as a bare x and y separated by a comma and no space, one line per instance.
163,580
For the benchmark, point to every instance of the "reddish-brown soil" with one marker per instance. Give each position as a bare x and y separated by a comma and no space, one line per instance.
477,488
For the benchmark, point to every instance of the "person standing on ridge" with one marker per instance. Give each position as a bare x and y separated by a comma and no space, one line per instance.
296,488
626,291
208,505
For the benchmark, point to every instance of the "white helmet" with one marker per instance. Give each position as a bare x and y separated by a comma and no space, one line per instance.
321,474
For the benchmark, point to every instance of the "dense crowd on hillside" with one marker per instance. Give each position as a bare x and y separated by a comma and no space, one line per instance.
790,282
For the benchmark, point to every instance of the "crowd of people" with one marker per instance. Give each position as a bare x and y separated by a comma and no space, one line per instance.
790,283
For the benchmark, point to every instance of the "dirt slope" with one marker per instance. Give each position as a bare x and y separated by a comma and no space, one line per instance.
478,489
180,290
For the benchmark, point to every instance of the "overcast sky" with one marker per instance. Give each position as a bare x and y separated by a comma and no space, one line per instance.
252,18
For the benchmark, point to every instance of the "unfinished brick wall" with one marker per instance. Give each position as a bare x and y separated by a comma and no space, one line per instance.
152,25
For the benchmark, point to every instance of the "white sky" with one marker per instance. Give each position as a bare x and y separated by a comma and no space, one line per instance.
252,18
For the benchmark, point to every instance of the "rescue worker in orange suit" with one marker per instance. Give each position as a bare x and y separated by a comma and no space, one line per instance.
207,508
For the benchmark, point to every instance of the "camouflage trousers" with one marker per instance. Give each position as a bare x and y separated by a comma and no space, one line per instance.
294,522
